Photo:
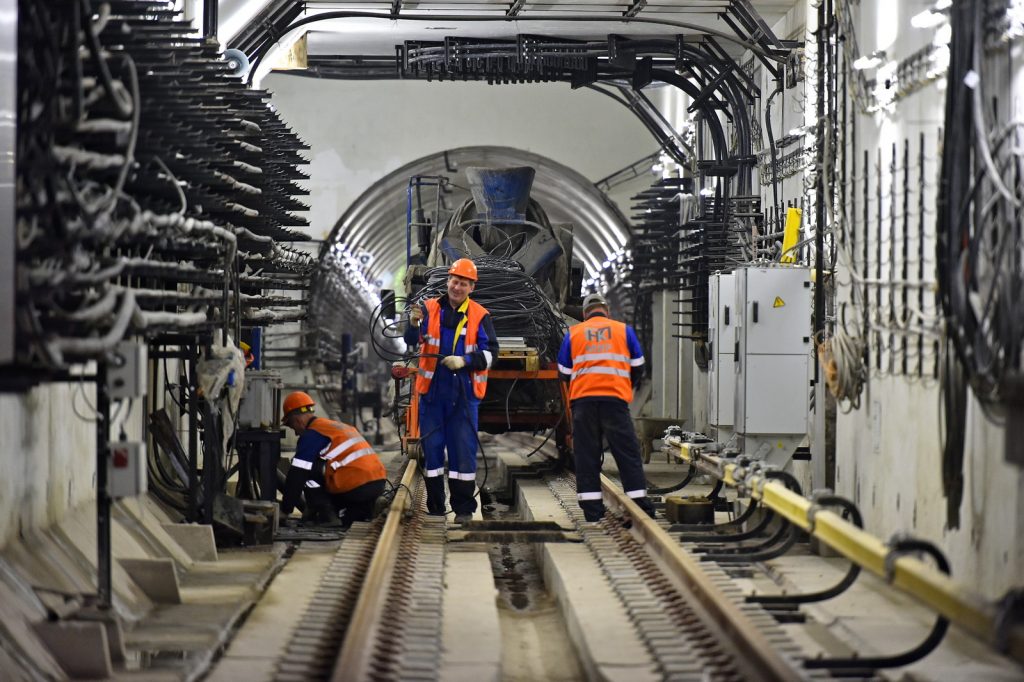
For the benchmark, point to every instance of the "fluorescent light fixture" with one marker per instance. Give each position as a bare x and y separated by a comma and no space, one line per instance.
871,61
943,35
927,19
943,4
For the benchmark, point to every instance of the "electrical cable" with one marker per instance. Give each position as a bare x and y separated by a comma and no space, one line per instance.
517,306
771,146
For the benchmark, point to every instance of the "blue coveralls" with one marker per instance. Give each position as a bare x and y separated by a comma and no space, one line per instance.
448,413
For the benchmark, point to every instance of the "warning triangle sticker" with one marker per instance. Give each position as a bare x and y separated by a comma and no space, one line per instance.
778,302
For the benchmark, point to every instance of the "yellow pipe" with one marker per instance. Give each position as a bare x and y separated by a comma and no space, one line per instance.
920,580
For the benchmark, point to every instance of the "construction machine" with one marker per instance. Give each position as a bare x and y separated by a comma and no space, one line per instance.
528,281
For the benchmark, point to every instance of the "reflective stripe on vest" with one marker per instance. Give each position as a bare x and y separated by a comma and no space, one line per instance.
351,458
601,370
600,360
302,464
431,346
352,462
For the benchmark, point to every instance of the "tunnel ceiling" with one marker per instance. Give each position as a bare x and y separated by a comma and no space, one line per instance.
373,29
374,225
245,24
617,48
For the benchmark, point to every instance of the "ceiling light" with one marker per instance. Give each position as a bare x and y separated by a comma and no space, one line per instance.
927,19
870,61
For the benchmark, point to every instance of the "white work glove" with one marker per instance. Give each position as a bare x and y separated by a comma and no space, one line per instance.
416,315
454,362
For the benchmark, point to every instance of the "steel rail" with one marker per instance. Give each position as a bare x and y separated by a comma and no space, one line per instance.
727,616
357,650
975,614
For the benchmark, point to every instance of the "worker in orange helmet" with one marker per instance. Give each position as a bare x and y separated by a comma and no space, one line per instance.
457,331
602,358
333,467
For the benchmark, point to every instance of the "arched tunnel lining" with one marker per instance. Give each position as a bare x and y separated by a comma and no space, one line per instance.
376,221
373,229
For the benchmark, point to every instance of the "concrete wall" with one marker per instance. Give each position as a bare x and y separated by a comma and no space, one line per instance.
48,453
361,131
47,458
889,451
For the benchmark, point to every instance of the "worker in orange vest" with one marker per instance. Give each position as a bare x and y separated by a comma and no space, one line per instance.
459,332
602,358
334,467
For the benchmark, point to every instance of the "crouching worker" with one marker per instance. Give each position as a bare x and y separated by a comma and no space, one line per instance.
334,468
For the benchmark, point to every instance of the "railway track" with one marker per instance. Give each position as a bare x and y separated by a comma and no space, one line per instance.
381,615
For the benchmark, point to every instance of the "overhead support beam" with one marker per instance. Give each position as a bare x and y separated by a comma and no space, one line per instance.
712,47
396,8
270,24
671,141
751,19
634,8
639,168
267,40
210,18
705,95
744,20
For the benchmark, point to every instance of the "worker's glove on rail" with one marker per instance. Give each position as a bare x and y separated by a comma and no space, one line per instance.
416,315
454,362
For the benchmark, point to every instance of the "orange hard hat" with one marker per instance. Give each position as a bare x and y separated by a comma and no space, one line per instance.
463,268
296,401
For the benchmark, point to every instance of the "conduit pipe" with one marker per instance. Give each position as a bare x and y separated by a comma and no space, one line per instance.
980,617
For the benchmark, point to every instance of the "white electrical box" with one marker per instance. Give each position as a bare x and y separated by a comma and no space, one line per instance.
260,406
126,469
722,347
773,333
126,373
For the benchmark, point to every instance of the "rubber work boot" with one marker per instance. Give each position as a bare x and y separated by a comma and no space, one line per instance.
463,519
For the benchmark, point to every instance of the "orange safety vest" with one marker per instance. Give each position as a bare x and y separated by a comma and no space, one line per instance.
600,360
349,460
431,346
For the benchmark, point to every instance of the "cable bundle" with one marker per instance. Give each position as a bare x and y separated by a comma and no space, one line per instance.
979,245
841,356
979,227
517,305
142,166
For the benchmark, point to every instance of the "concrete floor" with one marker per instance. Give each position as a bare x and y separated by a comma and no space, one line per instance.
871,618
484,638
